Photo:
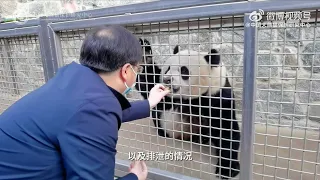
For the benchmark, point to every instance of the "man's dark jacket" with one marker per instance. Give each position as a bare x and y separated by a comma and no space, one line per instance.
66,129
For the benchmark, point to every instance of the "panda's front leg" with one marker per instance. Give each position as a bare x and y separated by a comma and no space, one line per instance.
203,135
227,167
227,144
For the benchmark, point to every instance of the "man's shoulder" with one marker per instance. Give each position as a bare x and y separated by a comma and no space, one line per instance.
102,106
95,113
80,87
107,104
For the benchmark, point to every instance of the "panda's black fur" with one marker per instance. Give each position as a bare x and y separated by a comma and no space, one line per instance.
151,75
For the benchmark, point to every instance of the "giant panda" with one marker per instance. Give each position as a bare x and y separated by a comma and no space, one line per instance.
187,108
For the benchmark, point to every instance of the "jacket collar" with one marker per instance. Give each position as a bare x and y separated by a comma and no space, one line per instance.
125,104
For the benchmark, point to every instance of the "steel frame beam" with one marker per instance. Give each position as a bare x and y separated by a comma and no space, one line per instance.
51,52
19,32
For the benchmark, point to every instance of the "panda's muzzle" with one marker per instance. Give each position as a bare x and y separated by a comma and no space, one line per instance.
175,90
168,82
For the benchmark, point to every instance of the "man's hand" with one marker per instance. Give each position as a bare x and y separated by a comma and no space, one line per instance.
156,94
139,168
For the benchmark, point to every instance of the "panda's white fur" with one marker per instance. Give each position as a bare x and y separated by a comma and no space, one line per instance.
172,123
201,96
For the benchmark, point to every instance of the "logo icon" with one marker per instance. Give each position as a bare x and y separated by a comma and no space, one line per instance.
256,16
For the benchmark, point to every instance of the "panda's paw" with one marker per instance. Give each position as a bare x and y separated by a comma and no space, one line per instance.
196,139
228,173
162,133
200,139
205,140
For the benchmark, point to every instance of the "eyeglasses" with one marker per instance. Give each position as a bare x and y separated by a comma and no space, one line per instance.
140,69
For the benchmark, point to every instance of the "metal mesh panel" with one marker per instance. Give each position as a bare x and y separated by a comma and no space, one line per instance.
20,68
70,43
287,98
287,119
286,137
140,138
191,35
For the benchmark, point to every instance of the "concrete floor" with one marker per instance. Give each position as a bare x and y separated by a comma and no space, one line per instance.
272,160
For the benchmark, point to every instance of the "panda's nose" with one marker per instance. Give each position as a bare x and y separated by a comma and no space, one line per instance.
167,80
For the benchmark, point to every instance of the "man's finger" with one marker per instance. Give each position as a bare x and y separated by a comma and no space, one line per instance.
144,166
136,162
131,166
165,92
159,86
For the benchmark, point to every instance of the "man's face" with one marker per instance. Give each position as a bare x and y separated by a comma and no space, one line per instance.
132,73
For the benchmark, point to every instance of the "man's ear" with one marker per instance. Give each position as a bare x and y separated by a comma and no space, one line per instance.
124,71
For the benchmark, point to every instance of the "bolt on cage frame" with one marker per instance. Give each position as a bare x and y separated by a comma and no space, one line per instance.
46,28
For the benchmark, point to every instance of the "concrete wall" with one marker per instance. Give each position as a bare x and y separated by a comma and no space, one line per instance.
27,8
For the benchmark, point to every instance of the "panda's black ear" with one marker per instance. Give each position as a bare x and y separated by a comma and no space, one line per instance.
146,42
141,42
176,49
213,58
146,46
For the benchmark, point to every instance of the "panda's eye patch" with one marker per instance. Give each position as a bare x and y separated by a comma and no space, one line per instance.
167,70
184,73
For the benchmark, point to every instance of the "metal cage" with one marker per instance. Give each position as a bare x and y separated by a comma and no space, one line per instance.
270,50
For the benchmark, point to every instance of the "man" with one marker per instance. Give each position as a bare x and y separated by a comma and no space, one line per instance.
68,128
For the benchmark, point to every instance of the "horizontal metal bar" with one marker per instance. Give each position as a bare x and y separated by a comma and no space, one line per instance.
12,25
111,11
19,32
176,26
190,12
154,174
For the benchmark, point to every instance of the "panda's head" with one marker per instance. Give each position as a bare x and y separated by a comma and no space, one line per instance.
193,73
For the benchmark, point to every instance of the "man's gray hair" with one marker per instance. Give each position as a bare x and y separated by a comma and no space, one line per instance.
108,48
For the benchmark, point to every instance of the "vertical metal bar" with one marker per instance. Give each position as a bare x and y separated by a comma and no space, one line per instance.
57,49
248,98
50,47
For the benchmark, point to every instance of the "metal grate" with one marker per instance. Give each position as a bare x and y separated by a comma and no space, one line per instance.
199,35
287,119
70,43
20,68
140,137
286,138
